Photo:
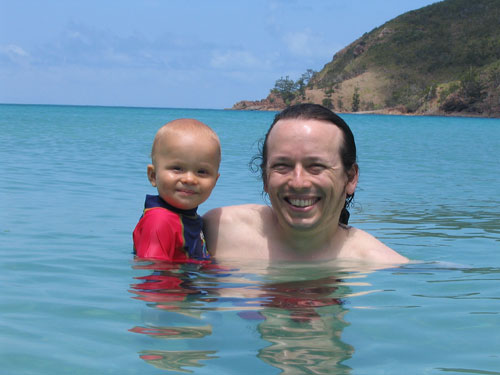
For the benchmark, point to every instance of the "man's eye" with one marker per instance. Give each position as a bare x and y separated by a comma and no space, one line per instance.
281,168
316,168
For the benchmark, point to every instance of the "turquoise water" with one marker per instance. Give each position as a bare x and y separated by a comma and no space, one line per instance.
73,301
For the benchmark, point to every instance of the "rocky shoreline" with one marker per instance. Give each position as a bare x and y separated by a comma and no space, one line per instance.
274,103
271,103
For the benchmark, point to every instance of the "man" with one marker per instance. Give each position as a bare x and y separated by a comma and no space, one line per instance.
310,173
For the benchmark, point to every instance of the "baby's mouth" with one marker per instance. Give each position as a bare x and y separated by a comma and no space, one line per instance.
186,191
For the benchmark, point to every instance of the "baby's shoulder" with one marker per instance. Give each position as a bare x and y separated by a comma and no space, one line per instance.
159,214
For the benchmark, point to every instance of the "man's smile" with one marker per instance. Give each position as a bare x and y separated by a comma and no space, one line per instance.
302,202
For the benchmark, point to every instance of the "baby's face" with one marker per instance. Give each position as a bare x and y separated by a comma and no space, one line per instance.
185,169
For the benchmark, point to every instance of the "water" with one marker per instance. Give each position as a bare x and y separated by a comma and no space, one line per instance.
73,301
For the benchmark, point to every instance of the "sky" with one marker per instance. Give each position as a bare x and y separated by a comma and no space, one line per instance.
173,53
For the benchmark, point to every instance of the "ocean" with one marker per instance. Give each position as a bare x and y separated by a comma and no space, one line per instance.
74,300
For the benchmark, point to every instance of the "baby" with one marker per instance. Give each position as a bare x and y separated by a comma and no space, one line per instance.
185,167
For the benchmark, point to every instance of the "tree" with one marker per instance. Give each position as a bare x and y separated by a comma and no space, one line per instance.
304,79
307,76
327,103
355,100
340,103
471,85
286,88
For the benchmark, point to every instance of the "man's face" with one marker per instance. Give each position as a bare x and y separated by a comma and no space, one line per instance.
305,179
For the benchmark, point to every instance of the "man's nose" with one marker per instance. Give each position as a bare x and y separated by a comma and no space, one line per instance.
299,178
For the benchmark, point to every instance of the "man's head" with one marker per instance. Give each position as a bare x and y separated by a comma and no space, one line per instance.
185,162
346,149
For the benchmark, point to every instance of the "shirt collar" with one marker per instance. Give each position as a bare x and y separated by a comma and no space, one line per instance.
157,201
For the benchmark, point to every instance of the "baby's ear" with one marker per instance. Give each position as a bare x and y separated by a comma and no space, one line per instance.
152,174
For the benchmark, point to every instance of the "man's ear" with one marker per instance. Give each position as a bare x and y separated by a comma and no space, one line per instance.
152,174
352,180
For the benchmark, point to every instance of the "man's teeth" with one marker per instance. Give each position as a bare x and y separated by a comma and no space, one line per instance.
302,202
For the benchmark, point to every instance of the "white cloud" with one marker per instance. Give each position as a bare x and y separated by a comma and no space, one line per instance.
14,54
84,46
234,59
78,36
15,50
305,44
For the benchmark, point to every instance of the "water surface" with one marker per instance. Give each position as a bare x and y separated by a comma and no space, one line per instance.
72,185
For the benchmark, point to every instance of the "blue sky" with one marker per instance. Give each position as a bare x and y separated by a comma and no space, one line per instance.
172,53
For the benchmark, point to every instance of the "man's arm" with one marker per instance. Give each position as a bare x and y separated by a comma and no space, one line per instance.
211,229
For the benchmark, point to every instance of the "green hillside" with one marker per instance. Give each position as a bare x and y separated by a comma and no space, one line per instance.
440,59
452,45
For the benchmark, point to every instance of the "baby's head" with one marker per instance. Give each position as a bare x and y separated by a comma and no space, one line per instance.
185,163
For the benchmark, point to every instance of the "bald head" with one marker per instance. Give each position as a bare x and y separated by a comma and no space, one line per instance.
184,126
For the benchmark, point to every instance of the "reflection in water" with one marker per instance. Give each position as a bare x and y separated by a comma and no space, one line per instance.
298,315
303,322
169,288
175,360
174,332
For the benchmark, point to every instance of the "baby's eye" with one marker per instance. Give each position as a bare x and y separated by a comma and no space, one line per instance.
203,172
176,168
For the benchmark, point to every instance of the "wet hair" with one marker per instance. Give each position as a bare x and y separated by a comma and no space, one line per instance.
312,112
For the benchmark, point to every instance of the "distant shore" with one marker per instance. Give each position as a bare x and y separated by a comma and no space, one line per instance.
385,111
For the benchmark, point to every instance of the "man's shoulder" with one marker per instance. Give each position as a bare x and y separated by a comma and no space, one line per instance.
240,214
364,246
235,231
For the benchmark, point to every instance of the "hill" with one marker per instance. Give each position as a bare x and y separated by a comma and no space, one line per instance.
440,59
